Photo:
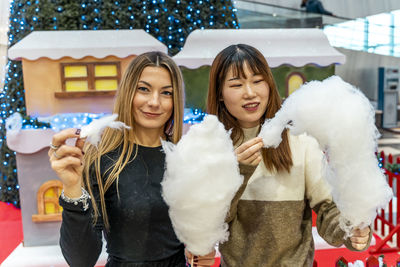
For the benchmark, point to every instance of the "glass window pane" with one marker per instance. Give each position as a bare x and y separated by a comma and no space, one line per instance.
348,34
49,193
49,207
396,33
375,34
105,70
75,71
76,86
105,85
379,35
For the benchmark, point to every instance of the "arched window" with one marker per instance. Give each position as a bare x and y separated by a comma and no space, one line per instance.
293,82
47,202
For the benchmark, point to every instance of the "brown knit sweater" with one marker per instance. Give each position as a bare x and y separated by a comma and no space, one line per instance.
270,220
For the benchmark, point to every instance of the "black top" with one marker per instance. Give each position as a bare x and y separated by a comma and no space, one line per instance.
140,233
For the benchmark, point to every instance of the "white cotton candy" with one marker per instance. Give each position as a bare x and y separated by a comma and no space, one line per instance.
357,263
14,124
380,260
93,131
342,120
200,181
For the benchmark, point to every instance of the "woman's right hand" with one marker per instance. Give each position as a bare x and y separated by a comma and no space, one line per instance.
249,153
66,161
200,261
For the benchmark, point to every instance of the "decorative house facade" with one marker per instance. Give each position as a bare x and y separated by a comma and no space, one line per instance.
77,71
294,55
64,72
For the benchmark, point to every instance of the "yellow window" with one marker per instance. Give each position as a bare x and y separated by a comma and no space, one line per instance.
50,207
105,70
71,86
104,85
295,81
75,71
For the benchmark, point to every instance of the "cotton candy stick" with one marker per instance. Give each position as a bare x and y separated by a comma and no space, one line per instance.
342,120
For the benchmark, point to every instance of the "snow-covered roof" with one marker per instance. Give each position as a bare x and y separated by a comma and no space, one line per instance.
296,47
79,44
29,141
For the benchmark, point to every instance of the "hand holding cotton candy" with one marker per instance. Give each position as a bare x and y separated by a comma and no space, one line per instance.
93,131
342,120
200,181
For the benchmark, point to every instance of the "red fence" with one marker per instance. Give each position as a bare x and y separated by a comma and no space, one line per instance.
371,262
385,224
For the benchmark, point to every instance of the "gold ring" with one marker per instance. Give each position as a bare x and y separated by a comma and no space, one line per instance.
53,146
56,156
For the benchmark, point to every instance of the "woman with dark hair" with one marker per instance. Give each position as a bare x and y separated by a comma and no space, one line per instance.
114,188
270,220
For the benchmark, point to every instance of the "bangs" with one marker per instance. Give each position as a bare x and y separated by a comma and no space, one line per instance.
236,63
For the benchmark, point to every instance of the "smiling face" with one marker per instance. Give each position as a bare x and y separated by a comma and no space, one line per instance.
153,99
245,96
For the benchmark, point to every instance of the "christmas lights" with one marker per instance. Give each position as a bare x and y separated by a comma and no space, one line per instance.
168,21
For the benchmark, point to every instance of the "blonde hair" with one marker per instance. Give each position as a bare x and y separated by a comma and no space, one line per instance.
234,58
111,138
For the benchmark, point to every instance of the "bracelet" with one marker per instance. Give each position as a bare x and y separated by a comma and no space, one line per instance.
82,199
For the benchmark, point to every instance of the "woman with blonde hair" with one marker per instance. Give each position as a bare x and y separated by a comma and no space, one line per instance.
114,188
270,220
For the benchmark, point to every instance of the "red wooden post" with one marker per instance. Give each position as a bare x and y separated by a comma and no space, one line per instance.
379,247
390,158
372,262
342,259
383,222
391,223
398,160
383,158
397,213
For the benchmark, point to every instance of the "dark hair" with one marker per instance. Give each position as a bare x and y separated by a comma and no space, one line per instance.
234,58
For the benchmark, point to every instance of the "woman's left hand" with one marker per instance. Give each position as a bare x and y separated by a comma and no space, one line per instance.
360,238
